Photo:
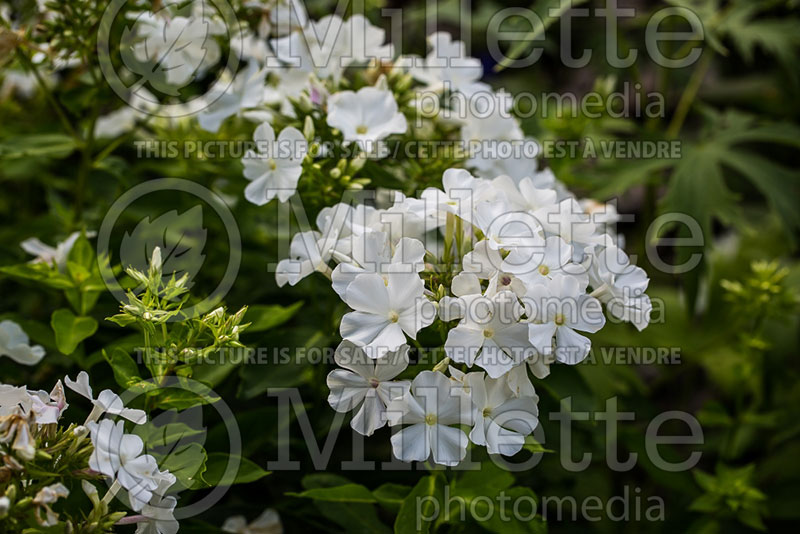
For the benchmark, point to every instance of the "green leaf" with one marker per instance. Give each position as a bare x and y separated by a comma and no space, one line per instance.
71,330
344,493
126,372
37,145
391,496
264,317
216,473
422,505
187,462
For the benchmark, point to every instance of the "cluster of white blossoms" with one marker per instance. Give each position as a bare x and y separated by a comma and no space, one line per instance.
514,272
117,455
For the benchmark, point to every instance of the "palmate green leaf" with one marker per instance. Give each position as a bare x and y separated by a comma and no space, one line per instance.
70,330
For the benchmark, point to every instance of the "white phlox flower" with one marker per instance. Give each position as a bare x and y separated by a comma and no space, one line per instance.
560,309
366,385
15,344
106,402
385,311
275,167
501,420
490,335
620,286
365,116
429,409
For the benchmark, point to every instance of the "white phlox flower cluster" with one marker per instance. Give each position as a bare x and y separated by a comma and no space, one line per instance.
515,278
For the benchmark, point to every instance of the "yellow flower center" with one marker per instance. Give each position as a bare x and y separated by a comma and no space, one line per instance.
361,129
544,270
272,164
487,412
560,319
393,317
430,419
488,332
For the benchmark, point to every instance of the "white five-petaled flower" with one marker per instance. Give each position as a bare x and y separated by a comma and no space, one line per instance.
159,513
539,264
501,421
385,311
366,384
490,335
365,117
373,252
621,286
106,402
487,264
559,308
44,498
447,66
120,456
308,252
230,97
15,344
179,46
276,166
430,406
50,255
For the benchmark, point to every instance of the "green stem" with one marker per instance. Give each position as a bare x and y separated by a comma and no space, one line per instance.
26,61
689,94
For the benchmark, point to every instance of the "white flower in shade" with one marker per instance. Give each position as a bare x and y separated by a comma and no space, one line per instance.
385,311
366,384
15,344
490,335
50,255
269,522
365,117
373,252
308,252
486,263
621,287
366,42
106,402
327,46
501,421
228,98
48,407
430,406
446,66
119,456
275,168
180,46
560,308
44,498
159,513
